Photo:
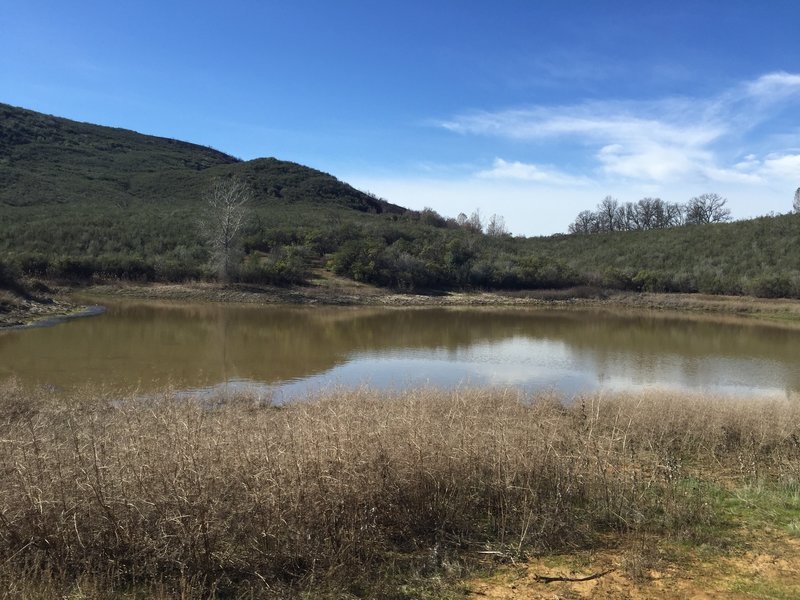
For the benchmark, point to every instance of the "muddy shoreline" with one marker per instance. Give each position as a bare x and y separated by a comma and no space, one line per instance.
784,310
68,302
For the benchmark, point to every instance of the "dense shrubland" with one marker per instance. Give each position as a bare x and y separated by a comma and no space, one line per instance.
410,251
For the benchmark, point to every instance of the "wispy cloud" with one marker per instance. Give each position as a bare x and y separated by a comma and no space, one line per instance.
520,171
657,141
785,167
775,86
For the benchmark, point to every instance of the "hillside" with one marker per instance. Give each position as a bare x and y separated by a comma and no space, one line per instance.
50,160
759,257
126,203
80,202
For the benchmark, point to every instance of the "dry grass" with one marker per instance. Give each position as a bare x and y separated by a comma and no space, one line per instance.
169,497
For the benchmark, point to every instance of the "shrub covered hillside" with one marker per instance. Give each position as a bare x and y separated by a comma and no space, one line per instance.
759,257
80,202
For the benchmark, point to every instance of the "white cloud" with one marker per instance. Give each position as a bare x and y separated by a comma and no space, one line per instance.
520,171
720,175
775,86
784,167
662,141
650,160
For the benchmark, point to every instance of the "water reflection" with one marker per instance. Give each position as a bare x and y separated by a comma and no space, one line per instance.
149,345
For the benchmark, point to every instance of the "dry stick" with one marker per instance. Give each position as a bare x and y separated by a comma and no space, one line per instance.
545,579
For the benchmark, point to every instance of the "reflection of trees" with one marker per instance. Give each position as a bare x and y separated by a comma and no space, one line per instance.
183,343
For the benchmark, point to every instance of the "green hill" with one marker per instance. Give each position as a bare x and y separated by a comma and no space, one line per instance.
759,257
78,198
50,160
81,201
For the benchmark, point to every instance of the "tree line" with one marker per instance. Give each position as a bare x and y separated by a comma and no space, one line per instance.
650,213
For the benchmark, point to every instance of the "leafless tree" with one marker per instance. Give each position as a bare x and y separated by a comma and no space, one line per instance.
648,209
474,222
796,204
585,222
707,208
610,215
668,214
227,207
496,226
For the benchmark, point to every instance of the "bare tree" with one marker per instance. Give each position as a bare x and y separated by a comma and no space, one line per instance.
474,222
667,214
648,209
585,222
610,215
647,213
707,208
796,204
227,208
496,226
631,219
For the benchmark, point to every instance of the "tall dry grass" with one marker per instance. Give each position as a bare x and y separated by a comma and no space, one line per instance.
186,498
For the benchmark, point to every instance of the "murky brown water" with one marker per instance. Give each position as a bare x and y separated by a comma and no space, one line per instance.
151,344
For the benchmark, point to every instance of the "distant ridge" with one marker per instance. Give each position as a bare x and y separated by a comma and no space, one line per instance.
46,159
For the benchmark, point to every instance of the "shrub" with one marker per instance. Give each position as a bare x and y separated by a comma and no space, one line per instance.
282,266
79,270
9,278
773,286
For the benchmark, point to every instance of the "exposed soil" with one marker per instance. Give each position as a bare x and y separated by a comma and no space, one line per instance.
327,289
19,311
770,569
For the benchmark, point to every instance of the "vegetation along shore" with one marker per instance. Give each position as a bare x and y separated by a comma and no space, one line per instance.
419,494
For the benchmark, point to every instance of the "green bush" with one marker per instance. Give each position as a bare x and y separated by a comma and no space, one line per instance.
9,277
283,266
774,286
68,268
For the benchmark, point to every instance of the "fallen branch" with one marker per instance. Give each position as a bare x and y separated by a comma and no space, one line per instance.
546,579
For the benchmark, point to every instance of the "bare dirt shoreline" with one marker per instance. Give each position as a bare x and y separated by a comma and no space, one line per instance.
328,290
331,292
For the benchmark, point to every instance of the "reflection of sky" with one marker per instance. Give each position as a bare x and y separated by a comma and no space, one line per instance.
538,364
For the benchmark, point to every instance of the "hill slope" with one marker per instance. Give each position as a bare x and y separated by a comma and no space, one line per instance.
46,160
125,204
79,201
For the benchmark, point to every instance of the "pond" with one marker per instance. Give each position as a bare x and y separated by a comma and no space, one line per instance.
290,351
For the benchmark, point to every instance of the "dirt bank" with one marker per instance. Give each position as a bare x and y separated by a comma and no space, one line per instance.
328,290
23,311
335,291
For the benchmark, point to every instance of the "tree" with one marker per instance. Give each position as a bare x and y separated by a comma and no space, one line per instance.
585,222
474,222
796,204
668,214
496,226
610,215
707,208
227,207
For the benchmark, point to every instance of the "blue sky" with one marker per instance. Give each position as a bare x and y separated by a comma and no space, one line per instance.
534,110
